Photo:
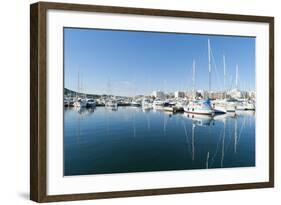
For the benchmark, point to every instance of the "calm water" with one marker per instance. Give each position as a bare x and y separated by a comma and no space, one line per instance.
103,141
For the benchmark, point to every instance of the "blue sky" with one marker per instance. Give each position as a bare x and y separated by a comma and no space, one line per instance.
130,63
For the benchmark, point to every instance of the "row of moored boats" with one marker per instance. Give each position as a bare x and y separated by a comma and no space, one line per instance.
195,106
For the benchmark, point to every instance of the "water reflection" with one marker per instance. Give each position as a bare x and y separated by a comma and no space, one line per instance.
83,110
135,140
200,120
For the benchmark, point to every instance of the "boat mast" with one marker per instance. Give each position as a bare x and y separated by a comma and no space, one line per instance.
193,77
236,80
209,58
108,89
81,86
224,76
78,85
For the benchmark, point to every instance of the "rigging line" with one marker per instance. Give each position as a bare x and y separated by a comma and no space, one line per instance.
230,86
189,82
215,65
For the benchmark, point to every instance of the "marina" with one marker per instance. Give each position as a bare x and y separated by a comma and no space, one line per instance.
144,113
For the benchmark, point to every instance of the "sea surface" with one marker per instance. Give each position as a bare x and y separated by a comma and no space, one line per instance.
129,139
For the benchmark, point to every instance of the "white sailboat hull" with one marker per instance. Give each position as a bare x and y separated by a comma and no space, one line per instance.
202,107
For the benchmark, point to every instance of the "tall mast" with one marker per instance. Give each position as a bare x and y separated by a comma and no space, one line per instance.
224,76
209,58
81,84
108,89
193,76
236,80
78,84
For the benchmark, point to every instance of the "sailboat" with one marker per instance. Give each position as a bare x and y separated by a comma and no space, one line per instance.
226,105
200,106
135,103
90,103
240,103
146,104
232,103
110,102
79,102
158,104
246,105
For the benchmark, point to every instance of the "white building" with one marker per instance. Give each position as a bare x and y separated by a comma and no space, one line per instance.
158,94
179,94
235,93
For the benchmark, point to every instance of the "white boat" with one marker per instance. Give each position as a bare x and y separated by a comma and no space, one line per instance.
202,107
245,105
158,104
90,103
178,108
231,105
219,106
224,106
146,104
181,103
66,102
169,106
135,103
111,103
241,104
80,102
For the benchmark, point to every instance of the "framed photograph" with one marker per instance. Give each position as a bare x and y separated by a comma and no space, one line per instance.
135,102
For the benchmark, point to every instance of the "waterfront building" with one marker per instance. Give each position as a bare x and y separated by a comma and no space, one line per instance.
235,93
179,94
217,95
158,94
